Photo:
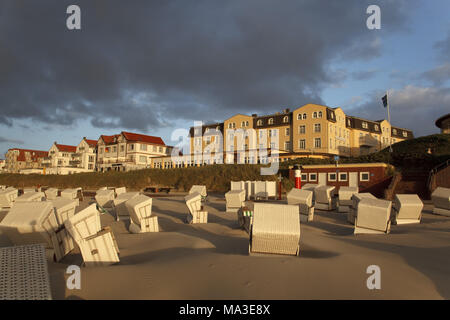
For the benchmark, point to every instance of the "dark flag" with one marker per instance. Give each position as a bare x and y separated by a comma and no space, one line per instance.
384,99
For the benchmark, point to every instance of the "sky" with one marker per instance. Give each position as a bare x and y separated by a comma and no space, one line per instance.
159,65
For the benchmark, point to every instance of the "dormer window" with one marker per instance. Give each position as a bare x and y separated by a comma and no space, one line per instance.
304,116
314,115
299,116
286,119
364,125
271,121
394,131
259,123
377,128
405,134
320,114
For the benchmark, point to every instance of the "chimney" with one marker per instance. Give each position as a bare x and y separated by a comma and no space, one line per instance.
254,115
286,110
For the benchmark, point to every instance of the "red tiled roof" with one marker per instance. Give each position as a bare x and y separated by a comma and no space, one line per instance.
143,138
66,148
91,143
109,139
35,154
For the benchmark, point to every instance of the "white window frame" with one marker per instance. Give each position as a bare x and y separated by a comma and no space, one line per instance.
340,176
304,177
310,174
320,143
361,176
300,130
304,144
317,125
304,116
329,176
270,121
287,131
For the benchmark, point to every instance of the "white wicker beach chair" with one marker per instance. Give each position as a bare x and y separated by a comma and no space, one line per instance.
119,204
69,193
345,198
7,197
64,208
373,216
120,191
31,197
30,223
271,189
260,190
237,185
51,193
105,198
406,209
196,213
356,198
199,189
302,198
275,229
325,197
441,201
235,199
140,211
98,246
249,189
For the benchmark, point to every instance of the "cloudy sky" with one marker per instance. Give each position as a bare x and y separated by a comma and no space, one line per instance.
155,66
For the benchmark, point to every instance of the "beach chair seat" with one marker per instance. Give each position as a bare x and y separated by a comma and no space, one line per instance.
51,193
325,197
120,208
105,198
441,198
406,209
245,218
302,198
30,223
235,199
373,216
97,246
199,189
275,229
31,197
140,211
7,197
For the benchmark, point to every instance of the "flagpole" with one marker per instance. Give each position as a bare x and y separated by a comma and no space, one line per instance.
389,120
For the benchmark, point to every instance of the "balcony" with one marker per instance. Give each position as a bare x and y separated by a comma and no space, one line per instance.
368,142
74,162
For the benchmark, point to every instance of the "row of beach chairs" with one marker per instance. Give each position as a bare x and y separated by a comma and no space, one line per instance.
255,190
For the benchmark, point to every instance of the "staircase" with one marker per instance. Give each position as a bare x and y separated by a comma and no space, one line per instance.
413,183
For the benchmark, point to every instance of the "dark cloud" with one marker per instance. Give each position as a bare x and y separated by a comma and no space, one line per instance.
6,140
423,104
438,75
143,64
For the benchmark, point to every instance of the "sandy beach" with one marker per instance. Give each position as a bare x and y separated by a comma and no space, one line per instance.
211,261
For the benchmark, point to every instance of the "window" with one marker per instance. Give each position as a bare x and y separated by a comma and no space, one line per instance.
271,121
304,116
143,147
160,149
364,176
91,158
349,123
332,176
302,144
320,114
394,131
101,150
317,143
259,123
143,159
286,119
377,128
405,134
131,147
243,124
287,131
272,145
317,127
313,177
301,129
304,177
299,116
342,176
314,115
197,131
287,145
364,125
